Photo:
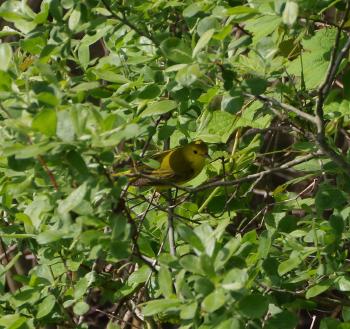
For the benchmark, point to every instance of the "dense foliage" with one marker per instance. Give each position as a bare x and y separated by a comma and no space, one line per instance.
258,240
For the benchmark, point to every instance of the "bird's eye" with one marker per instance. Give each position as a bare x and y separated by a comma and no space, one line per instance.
195,151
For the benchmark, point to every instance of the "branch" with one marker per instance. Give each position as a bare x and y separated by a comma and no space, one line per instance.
322,93
171,234
160,182
254,176
335,61
48,172
125,21
289,108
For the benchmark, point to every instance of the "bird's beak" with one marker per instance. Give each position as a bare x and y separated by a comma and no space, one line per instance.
207,156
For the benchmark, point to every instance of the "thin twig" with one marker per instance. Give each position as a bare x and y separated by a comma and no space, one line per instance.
322,93
254,176
287,107
157,181
150,138
125,21
48,172
9,250
171,235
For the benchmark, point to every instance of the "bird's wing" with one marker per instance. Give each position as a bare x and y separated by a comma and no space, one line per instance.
161,155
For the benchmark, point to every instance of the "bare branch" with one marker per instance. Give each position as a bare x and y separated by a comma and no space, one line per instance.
279,105
257,175
171,234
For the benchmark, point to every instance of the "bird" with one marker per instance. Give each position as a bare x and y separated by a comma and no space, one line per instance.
178,166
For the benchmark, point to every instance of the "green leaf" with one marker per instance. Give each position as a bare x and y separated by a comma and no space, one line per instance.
81,287
65,127
289,265
329,196
188,311
290,13
206,264
5,55
45,122
84,55
318,289
315,58
191,263
113,325
31,151
139,276
232,103
235,279
49,236
214,301
165,281
33,45
253,306
231,323
202,42
86,86
188,75
216,127
149,92
239,10
262,26
73,199
74,19
255,86
77,161
80,308
284,319
343,283
112,77
346,313
176,50
159,108
12,321
191,10
159,306
46,306
226,252
206,24
330,323
189,236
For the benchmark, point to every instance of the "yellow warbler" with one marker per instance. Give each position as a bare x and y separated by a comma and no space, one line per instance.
178,165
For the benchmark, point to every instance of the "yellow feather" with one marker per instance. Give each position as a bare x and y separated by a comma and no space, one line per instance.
178,165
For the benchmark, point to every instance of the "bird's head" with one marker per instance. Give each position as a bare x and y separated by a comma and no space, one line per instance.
196,152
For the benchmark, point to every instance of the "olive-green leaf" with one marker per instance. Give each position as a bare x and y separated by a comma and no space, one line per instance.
159,306
73,199
45,122
159,108
165,281
74,19
214,300
202,42
253,306
290,13
5,56
176,50
81,308
318,289
46,306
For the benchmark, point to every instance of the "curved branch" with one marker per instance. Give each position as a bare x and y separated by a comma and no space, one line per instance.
125,21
